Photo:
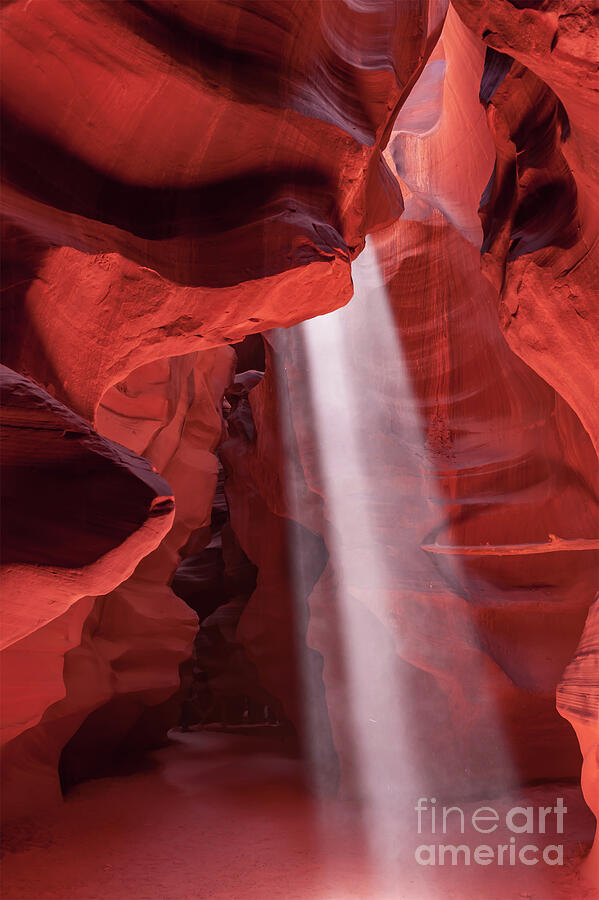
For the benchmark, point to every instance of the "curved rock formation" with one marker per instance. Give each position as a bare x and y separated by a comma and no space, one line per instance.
537,243
471,457
578,701
78,510
416,469
541,208
202,164
119,654
134,230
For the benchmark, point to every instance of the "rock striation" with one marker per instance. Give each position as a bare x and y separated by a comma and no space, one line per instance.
78,510
578,701
174,178
202,164
109,679
481,484
541,207
421,464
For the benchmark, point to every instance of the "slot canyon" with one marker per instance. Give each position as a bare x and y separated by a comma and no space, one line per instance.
300,424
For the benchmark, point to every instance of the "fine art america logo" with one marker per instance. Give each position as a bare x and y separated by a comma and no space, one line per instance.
520,822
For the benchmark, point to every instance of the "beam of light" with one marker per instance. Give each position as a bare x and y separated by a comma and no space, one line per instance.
352,410
350,398
397,601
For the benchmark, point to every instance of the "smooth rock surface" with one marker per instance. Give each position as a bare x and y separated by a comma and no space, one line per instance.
115,660
205,172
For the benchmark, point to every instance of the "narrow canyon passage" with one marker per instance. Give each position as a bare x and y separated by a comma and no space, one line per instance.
224,816
299,431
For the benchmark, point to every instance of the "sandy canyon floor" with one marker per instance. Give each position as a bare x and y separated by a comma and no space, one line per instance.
227,816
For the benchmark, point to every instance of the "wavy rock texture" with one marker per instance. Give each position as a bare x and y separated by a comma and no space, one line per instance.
78,513
473,463
113,507
541,208
578,701
177,176
557,41
110,666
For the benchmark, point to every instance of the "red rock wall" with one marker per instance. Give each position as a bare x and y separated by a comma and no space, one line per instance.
110,665
173,179
480,599
578,701
178,176
542,220
79,512
201,165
